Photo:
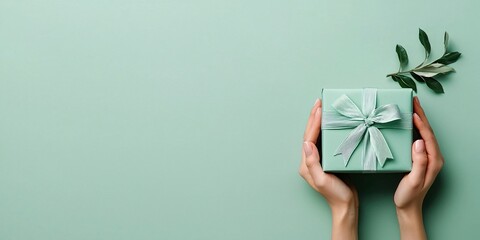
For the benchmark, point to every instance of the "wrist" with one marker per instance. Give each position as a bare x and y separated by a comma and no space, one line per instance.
410,220
410,212
344,212
344,221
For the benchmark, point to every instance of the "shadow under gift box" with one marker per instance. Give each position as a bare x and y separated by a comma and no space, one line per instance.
399,140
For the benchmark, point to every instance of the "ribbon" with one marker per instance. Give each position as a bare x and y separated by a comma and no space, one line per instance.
366,124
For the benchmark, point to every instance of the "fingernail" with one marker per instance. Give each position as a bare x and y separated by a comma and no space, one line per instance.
307,149
316,102
418,101
415,115
419,146
317,112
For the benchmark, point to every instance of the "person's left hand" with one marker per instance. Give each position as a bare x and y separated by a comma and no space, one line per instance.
427,161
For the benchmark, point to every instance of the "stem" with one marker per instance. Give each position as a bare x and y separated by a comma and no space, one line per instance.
412,70
392,74
424,61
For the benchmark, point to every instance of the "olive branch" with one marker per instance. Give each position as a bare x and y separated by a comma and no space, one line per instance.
425,72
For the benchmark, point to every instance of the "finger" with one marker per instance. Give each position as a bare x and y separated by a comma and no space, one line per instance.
434,156
312,161
417,108
314,131
305,173
419,166
312,115
427,135
318,103
307,177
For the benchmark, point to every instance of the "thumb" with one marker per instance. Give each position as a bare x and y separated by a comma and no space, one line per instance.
312,160
420,160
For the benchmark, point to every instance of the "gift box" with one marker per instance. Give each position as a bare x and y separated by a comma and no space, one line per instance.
366,130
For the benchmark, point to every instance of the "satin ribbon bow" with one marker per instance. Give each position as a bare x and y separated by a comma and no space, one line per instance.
365,124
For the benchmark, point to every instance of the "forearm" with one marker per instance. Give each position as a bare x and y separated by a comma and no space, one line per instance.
411,224
345,223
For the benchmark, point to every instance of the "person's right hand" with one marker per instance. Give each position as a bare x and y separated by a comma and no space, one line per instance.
337,193
427,163
342,198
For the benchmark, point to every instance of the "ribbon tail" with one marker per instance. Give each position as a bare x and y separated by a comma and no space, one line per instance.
369,159
379,145
350,143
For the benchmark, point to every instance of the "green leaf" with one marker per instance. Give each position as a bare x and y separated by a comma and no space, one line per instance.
425,72
405,82
445,41
449,58
424,40
402,55
431,82
417,77
433,69
435,85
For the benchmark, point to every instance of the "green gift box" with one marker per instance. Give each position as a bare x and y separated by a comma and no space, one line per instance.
366,130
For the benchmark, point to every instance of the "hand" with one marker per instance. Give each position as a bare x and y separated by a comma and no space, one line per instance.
342,198
427,163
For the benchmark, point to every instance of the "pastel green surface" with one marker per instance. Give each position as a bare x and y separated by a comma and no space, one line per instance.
180,120
399,140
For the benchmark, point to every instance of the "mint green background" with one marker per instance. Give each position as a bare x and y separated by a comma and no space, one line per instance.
184,119
398,140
